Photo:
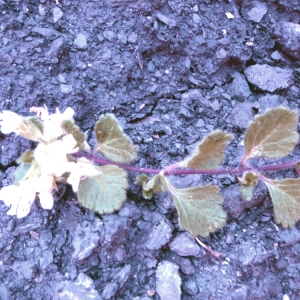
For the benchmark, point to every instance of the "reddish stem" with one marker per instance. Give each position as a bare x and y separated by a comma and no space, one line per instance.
238,170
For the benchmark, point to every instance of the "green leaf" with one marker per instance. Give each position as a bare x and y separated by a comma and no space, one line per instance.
285,196
209,153
248,182
69,127
199,208
272,134
105,192
27,157
32,129
21,172
150,186
113,144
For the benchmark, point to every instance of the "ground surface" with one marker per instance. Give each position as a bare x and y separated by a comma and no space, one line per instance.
171,71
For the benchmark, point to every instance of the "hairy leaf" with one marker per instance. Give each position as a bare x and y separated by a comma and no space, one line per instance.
285,196
21,172
105,192
209,153
272,134
199,208
113,144
69,127
248,182
32,128
150,186
27,157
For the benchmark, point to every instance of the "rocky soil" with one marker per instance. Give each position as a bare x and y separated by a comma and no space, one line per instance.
171,71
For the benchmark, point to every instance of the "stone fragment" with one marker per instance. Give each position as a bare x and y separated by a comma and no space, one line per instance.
110,290
46,258
48,33
287,34
159,236
80,41
109,35
168,21
122,275
82,288
221,53
190,287
24,268
196,19
168,281
239,88
241,115
55,48
269,78
66,88
57,14
257,12
270,102
87,236
184,245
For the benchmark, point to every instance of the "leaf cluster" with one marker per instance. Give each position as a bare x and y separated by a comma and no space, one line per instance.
200,211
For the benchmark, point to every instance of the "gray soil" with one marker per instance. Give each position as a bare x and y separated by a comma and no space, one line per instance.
171,71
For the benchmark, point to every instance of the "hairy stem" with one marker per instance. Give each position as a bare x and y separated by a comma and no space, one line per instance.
170,171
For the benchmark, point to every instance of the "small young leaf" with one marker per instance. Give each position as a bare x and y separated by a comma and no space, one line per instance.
209,153
150,186
113,144
285,196
32,128
248,182
26,157
272,134
21,172
199,208
105,192
69,127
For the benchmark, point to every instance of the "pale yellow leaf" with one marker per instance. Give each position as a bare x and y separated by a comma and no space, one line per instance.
199,208
209,154
285,196
113,143
248,182
272,134
106,192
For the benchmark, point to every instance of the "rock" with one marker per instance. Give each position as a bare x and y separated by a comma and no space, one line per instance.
221,53
158,236
45,239
269,78
80,41
168,21
184,245
270,102
276,55
168,281
24,268
48,33
190,287
57,14
46,258
109,35
110,290
239,88
196,19
82,288
288,36
87,236
241,115
116,229
289,236
66,88
122,275
55,48
257,12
